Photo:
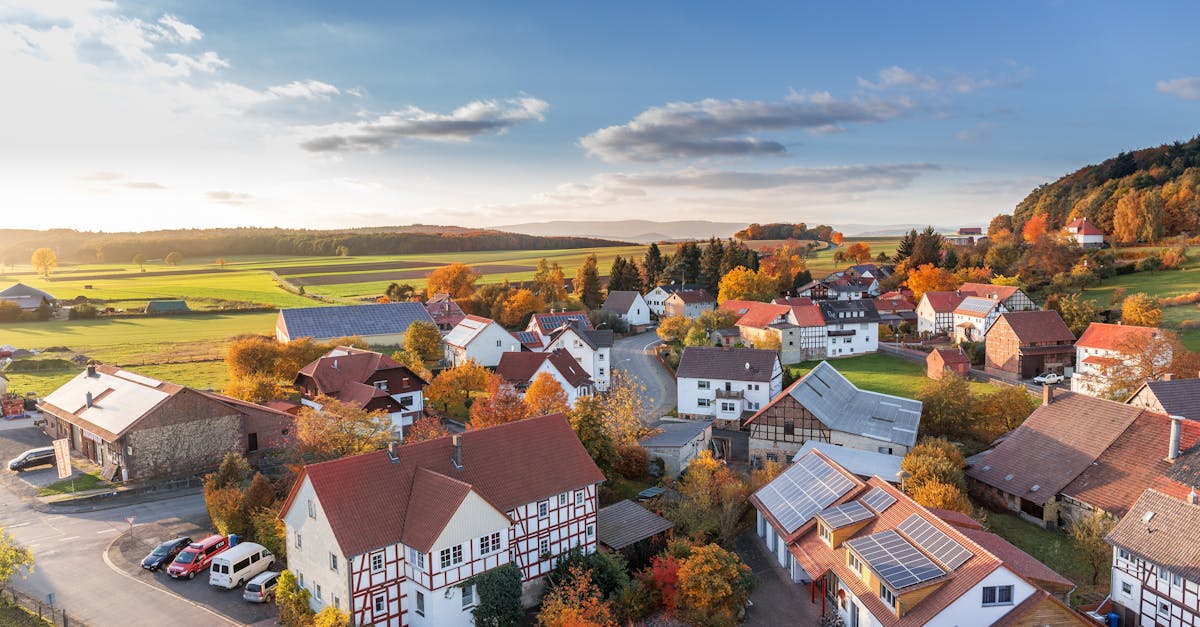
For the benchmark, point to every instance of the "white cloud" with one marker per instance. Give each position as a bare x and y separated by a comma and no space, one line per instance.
179,30
856,178
308,90
1187,88
898,77
226,197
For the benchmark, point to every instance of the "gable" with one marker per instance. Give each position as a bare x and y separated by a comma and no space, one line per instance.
474,518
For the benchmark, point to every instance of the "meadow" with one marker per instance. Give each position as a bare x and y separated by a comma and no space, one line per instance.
1160,284
883,373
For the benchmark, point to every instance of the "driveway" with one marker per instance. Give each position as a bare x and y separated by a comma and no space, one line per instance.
775,600
635,355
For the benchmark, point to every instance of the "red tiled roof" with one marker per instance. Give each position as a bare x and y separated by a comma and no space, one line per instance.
958,519
1083,226
520,367
987,290
333,374
943,302
1101,361
1035,327
893,304
1017,560
1112,337
808,315
952,356
444,310
371,501
755,314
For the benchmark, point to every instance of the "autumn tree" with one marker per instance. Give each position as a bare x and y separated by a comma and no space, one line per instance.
587,283
714,586
340,429
934,493
930,278
255,388
624,407
400,292
933,460
292,601
140,260
673,328
1002,222
1036,228
1077,312
784,263
859,252
545,396
1144,357
577,603
519,306
456,279
549,282
413,362
14,558
836,238
223,496
712,499
502,405
743,284
423,339
452,388
946,405
44,260
714,319
697,337
1141,310
173,258
588,421
221,263
1000,411
424,429
1089,534
331,616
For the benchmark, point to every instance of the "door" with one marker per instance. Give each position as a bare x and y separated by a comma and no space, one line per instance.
252,442
853,614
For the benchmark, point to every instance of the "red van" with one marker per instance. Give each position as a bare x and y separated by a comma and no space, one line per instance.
196,556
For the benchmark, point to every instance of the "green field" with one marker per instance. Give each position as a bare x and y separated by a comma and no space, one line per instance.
1054,549
880,372
1161,284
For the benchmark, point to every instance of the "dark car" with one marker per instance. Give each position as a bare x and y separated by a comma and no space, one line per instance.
164,553
32,457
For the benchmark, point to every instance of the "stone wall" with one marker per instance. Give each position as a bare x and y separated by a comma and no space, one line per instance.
183,448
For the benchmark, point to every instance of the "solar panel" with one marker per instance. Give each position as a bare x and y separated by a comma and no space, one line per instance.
845,514
879,500
936,543
897,562
805,488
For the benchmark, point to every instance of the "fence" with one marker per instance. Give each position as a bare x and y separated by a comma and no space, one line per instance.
56,616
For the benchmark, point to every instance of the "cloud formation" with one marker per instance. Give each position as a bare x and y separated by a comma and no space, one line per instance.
896,76
728,128
847,178
1187,88
225,197
481,117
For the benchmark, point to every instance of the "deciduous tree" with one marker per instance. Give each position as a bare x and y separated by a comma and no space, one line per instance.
588,421
292,601
502,405
174,258
714,319
423,429
330,616
255,388
14,558
1036,228
741,283
934,493
930,278
946,405
674,328
624,407
140,260
400,292
44,260
859,252
545,396
452,388
1141,310
697,337
1077,312
499,591
519,306
340,429
550,283
456,279
714,586
1089,534
423,339
578,603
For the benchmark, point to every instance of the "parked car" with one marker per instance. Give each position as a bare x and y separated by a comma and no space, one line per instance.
240,563
197,556
164,553
261,588
32,457
1049,378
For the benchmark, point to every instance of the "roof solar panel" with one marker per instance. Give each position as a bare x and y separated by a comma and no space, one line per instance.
896,561
879,500
805,488
845,514
941,546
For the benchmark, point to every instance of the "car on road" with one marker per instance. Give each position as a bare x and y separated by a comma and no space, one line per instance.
1049,378
32,457
196,557
240,563
262,588
165,553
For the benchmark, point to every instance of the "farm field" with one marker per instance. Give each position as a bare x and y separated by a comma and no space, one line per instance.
202,375
883,373
1161,284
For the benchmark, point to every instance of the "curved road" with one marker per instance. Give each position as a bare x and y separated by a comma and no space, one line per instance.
635,355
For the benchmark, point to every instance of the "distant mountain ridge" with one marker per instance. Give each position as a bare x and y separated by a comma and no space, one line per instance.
645,231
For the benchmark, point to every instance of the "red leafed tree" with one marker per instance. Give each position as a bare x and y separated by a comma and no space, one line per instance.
502,405
664,572
422,429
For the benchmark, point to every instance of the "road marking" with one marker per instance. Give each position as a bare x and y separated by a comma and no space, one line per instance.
18,525
110,530
65,539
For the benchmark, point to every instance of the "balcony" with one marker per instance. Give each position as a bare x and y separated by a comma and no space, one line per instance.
738,394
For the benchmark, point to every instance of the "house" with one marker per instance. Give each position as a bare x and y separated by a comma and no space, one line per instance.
377,324
811,334
766,325
478,338
860,463
139,429
727,384
633,531
726,338
529,340
941,360
935,312
445,312
1078,455
689,304
1102,350
677,443
393,537
365,379
656,299
973,316
878,558
1085,233
545,324
870,271
1156,563
1024,344
959,240
1011,297
629,306
824,406
792,301
850,287
851,327
817,289
591,348
970,230
520,369
166,307
896,311
1171,396
26,297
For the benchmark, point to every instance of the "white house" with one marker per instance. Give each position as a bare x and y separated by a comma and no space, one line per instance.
591,348
656,299
1085,233
973,316
520,369
391,536
935,312
629,305
851,327
689,304
481,339
545,324
1155,565
727,384
766,325
1102,350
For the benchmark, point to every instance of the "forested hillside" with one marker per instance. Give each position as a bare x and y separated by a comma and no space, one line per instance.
1142,195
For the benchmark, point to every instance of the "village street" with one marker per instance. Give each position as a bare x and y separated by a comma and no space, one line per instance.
635,355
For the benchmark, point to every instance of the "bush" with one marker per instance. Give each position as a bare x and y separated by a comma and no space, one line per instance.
633,462
499,592
607,571
83,312
292,601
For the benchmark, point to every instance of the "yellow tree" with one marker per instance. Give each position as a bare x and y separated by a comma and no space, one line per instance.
255,388
518,306
339,429
930,278
44,260
331,616
13,558
673,328
784,263
501,406
423,339
1128,218
451,389
577,602
1036,228
173,258
456,279
624,408
859,251
741,283
942,496
545,396
1141,310
422,429
714,585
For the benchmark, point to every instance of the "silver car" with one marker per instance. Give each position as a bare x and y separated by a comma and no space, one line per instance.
261,588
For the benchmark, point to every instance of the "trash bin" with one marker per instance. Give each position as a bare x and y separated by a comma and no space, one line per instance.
1114,620
233,539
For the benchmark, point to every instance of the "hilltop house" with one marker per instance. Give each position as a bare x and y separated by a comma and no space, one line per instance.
591,348
520,369
656,299
973,316
377,324
478,338
1024,344
851,327
689,304
393,537
935,312
1155,564
366,379
726,384
445,312
26,297
1102,350
1171,396
1085,233
545,324
629,306
824,406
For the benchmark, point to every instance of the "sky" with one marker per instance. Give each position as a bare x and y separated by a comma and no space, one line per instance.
148,115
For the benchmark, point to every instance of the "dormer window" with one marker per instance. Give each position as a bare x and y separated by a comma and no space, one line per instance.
855,563
381,385
823,531
890,598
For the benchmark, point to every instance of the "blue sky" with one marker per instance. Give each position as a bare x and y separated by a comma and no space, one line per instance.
144,115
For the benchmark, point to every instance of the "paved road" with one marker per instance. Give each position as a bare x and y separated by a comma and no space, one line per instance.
635,355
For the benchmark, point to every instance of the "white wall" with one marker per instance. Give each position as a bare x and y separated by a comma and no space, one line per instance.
864,340
311,559
639,312
655,300
595,362
485,348
756,395
969,609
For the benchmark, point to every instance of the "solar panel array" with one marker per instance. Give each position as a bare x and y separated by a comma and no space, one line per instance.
936,543
845,514
879,500
805,488
897,561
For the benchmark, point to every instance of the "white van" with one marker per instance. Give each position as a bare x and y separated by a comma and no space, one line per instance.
238,564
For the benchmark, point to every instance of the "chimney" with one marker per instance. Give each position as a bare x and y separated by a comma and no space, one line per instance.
394,451
1047,395
456,440
1194,498
89,399
1176,431
1168,376
91,370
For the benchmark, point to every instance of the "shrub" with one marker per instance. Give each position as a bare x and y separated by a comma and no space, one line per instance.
83,312
633,462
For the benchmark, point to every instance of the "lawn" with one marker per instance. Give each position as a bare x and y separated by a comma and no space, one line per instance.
880,372
1054,549
80,483
1160,284
13,616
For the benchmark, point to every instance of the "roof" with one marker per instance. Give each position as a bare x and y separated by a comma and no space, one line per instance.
673,434
943,302
1112,337
671,288
444,310
1054,445
20,289
793,301
987,290
1017,560
854,310
1178,397
371,501
755,314
1097,360
166,306
620,301
24,302
692,297
467,330
548,322
951,355
860,462
1036,327
521,367
352,320
624,523
1169,535
958,519
976,306
344,372
119,398
896,303
594,338
735,364
1083,226
1024,613
807,316
528,339
840,405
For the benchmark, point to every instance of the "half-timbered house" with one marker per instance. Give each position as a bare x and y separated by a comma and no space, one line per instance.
1156,565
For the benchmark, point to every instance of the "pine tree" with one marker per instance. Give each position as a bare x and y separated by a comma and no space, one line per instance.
587,283
710,264
652,265
905,248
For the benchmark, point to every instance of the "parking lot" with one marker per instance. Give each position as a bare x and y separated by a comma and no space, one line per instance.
16,437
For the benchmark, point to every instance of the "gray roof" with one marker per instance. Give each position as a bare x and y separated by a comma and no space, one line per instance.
599,338
675,433
671,288
1162,529
977,304
20,289
854,310
859,462
352,320
735,364
620,301
166,306
624,523
1178,397
835,401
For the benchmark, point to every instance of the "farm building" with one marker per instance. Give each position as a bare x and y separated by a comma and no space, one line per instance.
943,359
1103,350
166,307
376,324
26,297
1024,344
445,312
677,443
1176,397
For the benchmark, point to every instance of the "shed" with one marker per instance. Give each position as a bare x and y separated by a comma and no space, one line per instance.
632,530
942,359
677,443
166,307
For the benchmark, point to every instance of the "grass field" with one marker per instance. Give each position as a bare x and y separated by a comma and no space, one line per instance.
1054,549
85,481
883,373
1162,283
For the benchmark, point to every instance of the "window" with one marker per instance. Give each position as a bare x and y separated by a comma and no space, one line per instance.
318,591
451,556
300,578
312,509
333,562
380,603
579,494
726,406
381,385
823,531
544,546
336,601
997,595
591,530
498,343
416,558
602,372
854,563
299,543
544,509
888,597
562,499
886,450
1163,573
702,385
601,357
489,544
703,402
420,603
1126,588
376,562
1176,580
772,457
468,596
1164,608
